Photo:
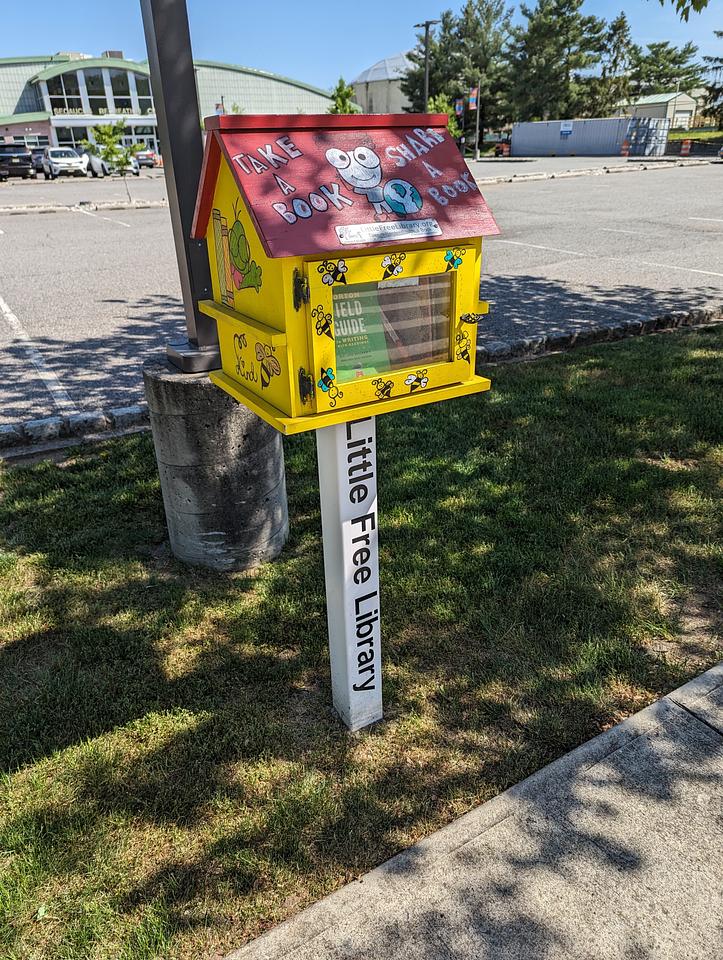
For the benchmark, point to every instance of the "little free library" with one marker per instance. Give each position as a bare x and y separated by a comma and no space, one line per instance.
345,256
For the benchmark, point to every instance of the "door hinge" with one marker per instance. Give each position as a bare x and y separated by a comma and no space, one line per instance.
301,289
306,385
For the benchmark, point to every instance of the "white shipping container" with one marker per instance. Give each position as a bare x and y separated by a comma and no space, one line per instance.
597,137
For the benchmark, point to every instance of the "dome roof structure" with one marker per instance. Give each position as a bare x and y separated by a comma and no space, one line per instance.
390,68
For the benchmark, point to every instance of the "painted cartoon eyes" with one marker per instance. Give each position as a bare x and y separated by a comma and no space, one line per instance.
363,156
338,158
367,158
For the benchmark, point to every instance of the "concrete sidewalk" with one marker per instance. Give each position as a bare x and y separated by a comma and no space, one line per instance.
613,851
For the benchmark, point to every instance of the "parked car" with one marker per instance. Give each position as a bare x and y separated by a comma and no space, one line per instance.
95,166
146,158
62,162
132,167
16,161
37,154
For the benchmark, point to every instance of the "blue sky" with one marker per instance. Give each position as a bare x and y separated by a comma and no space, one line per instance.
315,41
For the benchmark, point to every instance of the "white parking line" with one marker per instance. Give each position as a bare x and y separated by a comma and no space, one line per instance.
61,398
89,213
708,219
537,246
632,233
669,266
576,253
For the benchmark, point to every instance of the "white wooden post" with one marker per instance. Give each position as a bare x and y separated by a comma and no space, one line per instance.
348,490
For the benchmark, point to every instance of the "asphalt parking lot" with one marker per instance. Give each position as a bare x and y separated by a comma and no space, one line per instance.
574,251
67,191
85,296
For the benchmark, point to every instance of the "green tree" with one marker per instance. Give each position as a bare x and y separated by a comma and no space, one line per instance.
465,51
445,64
663,67
714,100
549,59
611,88
343,97
483,30
442,104
109,147
686,7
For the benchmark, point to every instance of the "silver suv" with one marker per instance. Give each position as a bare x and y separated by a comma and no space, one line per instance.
62,161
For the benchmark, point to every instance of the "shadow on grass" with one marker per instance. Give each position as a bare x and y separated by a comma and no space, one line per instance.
533,541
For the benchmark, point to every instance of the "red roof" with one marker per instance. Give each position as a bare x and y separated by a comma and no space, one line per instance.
316,184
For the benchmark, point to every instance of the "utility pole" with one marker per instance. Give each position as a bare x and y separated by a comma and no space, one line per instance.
175,98
221,467
427,24
675,102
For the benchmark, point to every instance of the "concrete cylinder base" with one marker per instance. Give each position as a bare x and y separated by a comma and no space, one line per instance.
221,469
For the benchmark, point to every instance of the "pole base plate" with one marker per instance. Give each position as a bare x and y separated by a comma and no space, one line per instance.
190,358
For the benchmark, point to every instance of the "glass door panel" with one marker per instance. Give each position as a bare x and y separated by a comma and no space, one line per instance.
382,326
389,325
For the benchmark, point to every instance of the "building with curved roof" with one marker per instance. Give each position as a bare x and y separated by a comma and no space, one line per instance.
58,100
379,88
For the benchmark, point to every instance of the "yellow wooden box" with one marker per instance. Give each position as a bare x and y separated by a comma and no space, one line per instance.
345,256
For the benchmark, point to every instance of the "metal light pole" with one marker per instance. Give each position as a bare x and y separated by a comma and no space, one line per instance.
173,81
221,467
476,119
427,24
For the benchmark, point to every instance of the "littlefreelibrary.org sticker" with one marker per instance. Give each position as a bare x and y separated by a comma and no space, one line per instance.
394,230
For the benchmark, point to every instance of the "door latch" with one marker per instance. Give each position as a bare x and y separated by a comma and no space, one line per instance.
301,289
306,385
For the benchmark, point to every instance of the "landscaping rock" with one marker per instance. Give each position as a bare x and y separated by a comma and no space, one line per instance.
561,339
46,429
93,421
124,417
11,434
496,349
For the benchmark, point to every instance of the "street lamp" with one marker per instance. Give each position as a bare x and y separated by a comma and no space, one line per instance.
427,24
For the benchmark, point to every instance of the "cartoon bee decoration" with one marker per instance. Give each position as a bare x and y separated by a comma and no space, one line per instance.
326,382
392,264
239,342
417,381
270,366
463,345
454,258
333,272
323,322
383,388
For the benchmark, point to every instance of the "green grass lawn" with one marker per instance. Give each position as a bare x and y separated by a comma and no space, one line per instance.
696,135
175,780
